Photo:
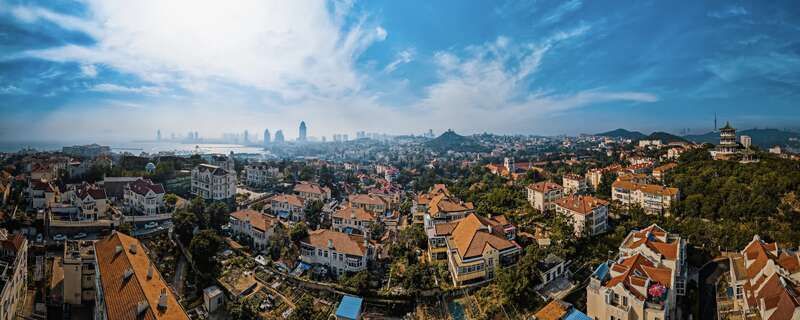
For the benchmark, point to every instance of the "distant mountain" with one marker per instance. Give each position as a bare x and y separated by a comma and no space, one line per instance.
763,138
665,137
451,141
623,134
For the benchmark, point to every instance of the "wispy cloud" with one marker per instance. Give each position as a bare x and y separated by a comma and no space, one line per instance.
729,12
558,12
113,88
89,70
402,57
11,89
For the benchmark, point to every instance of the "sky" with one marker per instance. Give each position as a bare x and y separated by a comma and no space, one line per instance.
121,70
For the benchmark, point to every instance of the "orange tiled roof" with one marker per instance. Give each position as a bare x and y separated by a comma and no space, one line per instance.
350,212
555,310
309,187
545,186
292,199
257,219
342,242
122,296
581,204
471,236
366,199
646,188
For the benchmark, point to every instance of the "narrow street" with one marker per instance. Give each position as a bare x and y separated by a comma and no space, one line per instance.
177,282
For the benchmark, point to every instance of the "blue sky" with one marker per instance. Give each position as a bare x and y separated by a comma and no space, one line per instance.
121,69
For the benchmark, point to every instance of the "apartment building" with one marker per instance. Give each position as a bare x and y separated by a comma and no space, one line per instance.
542,195
260,174
129,285
312,191
222,161
476,248
143,197
661,171
595,176
643,282
342,253
256,226
589,214
13,273
654,199
765,281
213,183
573,184
287,206
78,264
370,202
353,220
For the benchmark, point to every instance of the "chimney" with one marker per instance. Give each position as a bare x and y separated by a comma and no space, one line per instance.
127,274
150,271
162,299
132,248
141,307
330,244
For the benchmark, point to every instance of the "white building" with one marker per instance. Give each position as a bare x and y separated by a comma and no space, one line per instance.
287,206
312,191
258,175
255,225
589,214
352,220
213,183
573,184
542,195
13,273
340,252
213,298
144,197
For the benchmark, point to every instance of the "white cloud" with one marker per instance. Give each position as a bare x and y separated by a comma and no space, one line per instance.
729,12
89,70
109,87
12,89
402,57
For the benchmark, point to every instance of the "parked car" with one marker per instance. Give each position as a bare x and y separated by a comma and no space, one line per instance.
39,238
59,237
79,236
151,225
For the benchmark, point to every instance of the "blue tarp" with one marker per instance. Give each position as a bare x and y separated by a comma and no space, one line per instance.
349,308
601,272
576,315
301,267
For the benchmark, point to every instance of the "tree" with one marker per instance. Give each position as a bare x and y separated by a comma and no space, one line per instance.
304,309
204,247
298,232
170,199
258,206
359,282
125,228
185,222
604,188
242,310
312,212
217,214
198,207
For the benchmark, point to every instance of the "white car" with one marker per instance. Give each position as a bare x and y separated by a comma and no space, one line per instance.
79,236
59,237
151,225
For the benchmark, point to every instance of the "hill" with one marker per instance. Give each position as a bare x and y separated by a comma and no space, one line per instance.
451,141
665,137
623,134
763,138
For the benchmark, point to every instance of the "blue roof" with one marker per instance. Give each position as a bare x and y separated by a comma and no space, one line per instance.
576,315
349,308
601,272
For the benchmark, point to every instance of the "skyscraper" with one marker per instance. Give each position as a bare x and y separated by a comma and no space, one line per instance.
266,136
158,135
279,136
302,136
246,137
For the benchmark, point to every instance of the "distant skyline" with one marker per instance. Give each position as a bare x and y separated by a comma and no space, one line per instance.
99,70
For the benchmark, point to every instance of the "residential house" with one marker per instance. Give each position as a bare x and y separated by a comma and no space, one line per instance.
13,273
213,183
550,269
258,175
660,172
765,281
42,194
644,282
256,226
129,285
353,220
287,206
573,184
312,191
419,206
542,195
340,252
654,199
476,248
595,176
589,214
143,197
370,202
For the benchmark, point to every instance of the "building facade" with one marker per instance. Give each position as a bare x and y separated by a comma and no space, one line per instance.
654,199
13,273
340,252
254,225
213,183
143,197
589,215
542,195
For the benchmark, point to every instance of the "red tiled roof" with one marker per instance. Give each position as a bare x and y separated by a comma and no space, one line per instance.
257,219
142,186
545,186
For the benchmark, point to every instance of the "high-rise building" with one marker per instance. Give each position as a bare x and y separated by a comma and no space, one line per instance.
746,141
246,137
158,135
279,136
266,137
303,132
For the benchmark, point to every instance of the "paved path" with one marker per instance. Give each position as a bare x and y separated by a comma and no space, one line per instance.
177,282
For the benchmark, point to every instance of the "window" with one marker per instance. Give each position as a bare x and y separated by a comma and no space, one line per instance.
625,302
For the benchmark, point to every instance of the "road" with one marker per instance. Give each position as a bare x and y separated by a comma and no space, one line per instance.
177,282
708,276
